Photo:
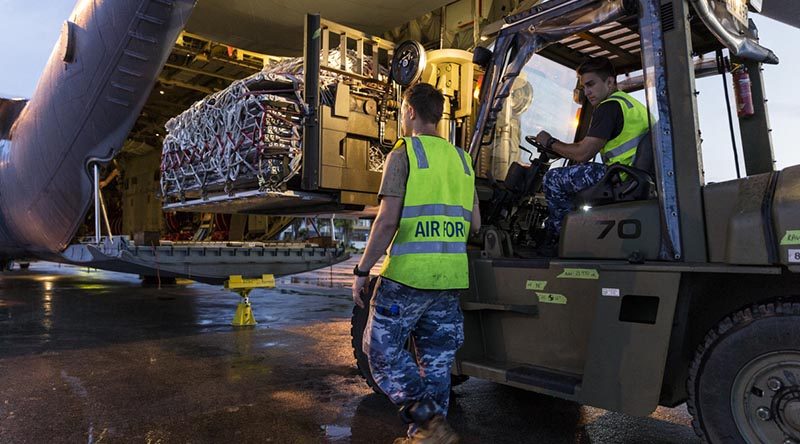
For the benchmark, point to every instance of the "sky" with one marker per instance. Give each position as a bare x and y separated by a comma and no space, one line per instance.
28,34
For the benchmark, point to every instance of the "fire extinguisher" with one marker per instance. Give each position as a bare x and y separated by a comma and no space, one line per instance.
741,89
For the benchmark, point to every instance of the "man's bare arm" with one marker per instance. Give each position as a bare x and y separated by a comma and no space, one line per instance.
383,230
475,223
583,151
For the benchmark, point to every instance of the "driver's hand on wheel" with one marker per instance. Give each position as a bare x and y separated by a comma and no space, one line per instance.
543,138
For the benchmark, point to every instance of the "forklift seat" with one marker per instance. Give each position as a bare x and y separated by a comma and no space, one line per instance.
639,184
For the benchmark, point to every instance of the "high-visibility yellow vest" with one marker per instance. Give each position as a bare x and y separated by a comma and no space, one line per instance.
622,149
429,250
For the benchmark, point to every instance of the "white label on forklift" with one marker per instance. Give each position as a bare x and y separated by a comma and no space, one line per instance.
613,292
794,256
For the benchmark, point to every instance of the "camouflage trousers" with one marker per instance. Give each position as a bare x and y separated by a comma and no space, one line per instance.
435,323
562,184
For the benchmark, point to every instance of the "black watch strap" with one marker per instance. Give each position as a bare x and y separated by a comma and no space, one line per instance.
360,273
550,142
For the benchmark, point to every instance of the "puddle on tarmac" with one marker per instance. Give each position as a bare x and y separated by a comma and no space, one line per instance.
336,433
325,282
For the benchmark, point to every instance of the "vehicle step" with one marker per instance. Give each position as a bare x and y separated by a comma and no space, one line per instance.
514,308
529,375
547,379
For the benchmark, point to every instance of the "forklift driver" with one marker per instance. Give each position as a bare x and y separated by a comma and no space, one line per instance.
618,123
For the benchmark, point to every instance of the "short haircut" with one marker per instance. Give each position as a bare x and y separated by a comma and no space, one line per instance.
427,102
598,65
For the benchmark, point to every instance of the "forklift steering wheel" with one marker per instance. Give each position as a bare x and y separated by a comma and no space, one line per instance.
541,148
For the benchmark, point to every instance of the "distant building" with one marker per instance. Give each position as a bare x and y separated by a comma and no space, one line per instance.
360,234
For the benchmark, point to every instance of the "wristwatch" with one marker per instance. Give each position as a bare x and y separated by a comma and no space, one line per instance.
550,142
360,273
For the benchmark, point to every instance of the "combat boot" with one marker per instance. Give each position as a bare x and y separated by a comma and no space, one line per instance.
430,427
435,431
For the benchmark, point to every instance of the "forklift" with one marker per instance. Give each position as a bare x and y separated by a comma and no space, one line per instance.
665,289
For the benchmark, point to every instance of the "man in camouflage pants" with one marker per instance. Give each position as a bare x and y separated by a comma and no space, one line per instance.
428,208
435,320
619,122
561,185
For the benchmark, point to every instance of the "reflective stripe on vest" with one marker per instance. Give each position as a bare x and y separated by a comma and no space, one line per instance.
419,152
437,210
429,248
622,149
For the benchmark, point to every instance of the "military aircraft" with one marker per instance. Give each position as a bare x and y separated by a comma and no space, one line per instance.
99,78
121,70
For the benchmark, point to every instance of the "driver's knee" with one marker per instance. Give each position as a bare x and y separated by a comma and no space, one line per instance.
550,176
553,180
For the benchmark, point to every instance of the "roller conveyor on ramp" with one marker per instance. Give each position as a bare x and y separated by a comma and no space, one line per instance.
209,262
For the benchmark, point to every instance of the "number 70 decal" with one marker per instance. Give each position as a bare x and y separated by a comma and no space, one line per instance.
626,228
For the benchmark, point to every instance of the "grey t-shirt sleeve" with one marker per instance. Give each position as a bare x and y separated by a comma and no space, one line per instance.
607,121
395,174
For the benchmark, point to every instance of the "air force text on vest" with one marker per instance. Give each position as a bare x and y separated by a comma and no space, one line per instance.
434,228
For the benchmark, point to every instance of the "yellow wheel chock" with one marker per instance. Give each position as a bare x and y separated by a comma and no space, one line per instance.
244,312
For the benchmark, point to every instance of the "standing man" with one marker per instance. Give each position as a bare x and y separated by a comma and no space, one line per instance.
428,208
618,124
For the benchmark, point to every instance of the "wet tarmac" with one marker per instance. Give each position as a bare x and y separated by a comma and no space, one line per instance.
96,357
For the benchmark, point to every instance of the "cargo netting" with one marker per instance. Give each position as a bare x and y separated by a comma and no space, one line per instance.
248,135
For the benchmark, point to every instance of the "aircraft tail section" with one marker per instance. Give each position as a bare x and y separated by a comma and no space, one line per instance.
94,86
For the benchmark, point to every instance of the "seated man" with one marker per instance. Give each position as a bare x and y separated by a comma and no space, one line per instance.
618,123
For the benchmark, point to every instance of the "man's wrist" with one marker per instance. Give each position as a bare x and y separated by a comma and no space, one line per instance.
550,142
360,273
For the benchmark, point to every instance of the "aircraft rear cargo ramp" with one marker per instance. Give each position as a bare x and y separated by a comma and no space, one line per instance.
209,262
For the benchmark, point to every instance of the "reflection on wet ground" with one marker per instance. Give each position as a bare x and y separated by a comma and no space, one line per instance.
88,356
338,276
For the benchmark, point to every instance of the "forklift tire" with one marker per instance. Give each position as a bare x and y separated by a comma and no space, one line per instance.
744,382
358,323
